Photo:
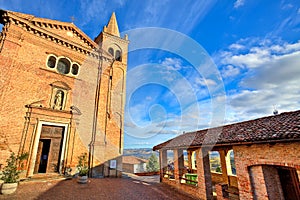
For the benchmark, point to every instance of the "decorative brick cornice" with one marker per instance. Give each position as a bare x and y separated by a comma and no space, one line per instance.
116,38
37,25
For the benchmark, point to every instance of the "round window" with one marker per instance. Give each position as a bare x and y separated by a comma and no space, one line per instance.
75,69
51,62
63,66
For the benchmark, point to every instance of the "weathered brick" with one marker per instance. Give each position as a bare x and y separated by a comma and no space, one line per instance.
26,95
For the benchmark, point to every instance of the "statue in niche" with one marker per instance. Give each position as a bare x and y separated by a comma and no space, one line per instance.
58,100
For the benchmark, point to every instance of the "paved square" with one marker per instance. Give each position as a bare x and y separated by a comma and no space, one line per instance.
100,189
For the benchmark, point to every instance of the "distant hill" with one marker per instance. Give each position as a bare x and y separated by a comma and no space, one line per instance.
144,153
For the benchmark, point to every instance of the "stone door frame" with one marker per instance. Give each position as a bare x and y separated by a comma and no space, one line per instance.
37,139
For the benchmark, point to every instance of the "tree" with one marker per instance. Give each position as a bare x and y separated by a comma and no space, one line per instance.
218,169
153,165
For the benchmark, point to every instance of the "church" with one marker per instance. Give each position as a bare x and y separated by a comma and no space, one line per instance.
62,95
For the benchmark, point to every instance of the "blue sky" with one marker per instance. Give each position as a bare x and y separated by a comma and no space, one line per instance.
194,64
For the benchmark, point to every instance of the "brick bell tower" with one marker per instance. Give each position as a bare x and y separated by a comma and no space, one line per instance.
110,127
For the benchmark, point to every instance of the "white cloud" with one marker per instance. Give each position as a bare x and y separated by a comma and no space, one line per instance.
259,52
291,47
236,46
196,116
159,13
252,59
270,77
205,82
238,3
172,63
180,110
230,71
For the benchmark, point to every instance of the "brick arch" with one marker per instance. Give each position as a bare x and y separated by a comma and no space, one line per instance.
279,164
277,180
116,48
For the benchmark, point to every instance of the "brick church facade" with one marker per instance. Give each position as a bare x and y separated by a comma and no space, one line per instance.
62,94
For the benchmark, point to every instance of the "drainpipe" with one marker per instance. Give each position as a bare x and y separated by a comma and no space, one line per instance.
95,117
120,142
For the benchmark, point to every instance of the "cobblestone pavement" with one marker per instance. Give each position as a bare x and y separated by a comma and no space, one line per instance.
100,189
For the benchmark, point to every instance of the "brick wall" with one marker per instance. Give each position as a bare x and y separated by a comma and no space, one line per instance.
25,79
188,189
250,158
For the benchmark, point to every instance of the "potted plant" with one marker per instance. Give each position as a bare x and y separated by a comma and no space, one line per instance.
82,168
10,173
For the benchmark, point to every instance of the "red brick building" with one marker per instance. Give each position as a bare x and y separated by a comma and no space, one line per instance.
266,158
61,94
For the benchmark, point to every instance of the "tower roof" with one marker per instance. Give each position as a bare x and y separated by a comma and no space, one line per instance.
112,26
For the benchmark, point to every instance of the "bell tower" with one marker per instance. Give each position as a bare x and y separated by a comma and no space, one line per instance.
110,41
112,96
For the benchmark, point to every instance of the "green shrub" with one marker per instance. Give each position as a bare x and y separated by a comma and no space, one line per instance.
10,173
82,166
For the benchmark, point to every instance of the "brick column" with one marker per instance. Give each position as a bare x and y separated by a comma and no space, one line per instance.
163,163
258,183
178,164
242,174
224,166
190,160
204,174
221,193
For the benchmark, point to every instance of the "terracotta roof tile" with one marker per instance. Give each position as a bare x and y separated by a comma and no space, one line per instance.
133,160
282,127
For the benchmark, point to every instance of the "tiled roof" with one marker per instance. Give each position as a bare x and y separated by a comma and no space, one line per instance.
276,128
133,160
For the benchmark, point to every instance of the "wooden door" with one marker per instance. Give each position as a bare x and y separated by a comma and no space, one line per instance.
38,157
55,134
54,158
289,183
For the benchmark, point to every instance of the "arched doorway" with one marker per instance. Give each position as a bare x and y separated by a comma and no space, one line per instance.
278,182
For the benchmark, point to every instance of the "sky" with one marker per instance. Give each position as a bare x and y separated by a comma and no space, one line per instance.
194,64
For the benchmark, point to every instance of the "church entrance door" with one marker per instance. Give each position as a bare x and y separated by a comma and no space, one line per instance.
48,158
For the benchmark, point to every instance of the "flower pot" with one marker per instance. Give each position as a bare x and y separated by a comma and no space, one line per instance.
9,188
82,179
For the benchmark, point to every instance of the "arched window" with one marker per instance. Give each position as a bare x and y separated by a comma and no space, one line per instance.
118,55
230,163
215,161
111,51
170,167
63,66
75,69
51,62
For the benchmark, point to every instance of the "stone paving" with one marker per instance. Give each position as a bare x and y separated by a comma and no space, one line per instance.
128,188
